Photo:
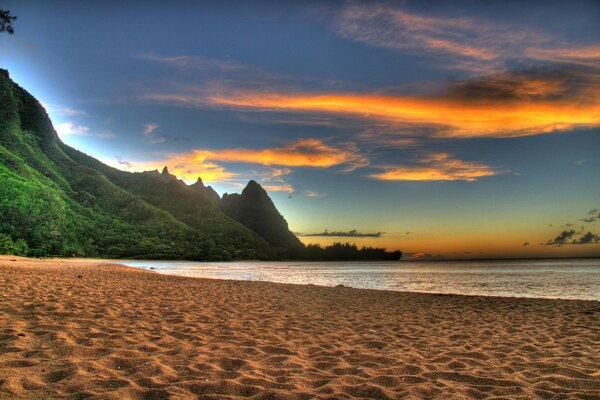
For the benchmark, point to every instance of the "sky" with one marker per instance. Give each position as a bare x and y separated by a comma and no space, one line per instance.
443,129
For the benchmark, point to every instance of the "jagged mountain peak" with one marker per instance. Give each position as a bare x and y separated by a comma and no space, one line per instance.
207,191
255,209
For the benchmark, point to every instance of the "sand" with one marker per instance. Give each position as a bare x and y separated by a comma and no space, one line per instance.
84,330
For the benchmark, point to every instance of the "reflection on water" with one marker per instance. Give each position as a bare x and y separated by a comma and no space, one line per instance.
567,279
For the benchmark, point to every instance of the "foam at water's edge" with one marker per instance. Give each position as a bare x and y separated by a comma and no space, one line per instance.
549,279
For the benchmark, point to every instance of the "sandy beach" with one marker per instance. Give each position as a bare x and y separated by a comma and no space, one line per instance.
74,329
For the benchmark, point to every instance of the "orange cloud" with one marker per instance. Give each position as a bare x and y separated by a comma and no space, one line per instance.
301,153
181,166
437,167
279,188
459,118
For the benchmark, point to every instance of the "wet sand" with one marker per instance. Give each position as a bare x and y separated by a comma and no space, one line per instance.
76,329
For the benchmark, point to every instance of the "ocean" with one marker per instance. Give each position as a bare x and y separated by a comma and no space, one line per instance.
560,278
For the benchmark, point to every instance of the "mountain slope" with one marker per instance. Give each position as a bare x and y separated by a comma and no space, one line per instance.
58,201
63,202
254,209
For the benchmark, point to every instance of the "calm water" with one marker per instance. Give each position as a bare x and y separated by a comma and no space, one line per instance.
567,279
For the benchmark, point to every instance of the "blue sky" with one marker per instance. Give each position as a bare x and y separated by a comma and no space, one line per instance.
464,131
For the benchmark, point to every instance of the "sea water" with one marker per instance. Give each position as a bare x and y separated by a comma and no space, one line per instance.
564,278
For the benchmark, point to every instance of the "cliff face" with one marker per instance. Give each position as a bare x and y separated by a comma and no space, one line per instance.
60,201
254,209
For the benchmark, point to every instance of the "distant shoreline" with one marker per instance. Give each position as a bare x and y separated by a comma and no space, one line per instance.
90,259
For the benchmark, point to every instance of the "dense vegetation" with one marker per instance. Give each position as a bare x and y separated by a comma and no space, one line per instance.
61,202
343,252
57,201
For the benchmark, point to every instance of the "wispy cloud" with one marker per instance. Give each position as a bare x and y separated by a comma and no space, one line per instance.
592,216
467,42
314,194
383,25
279,188
436,167
190,62
582,55
69,128
122,162
152,136
149,128
63,111
272,180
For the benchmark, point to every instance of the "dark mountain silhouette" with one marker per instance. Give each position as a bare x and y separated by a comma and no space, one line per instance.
255,210
207,191
58,201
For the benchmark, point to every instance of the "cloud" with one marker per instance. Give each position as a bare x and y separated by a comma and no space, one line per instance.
504,105
561,239
387,26
420,256
592,216
350,233
312,153
300,153
149,128
314,194
72,129
193,62
582,55
68,128
588,238
122,162
568,238
63,111
436,167
533,84
466,43
272,180
150,132
159,139
525,244
279,188
181,167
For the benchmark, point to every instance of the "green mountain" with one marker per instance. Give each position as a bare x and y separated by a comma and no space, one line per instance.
58,201
55,200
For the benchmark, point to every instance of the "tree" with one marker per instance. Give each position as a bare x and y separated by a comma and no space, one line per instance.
6,22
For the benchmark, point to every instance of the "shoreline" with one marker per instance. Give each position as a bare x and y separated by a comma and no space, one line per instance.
117,262
72,329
